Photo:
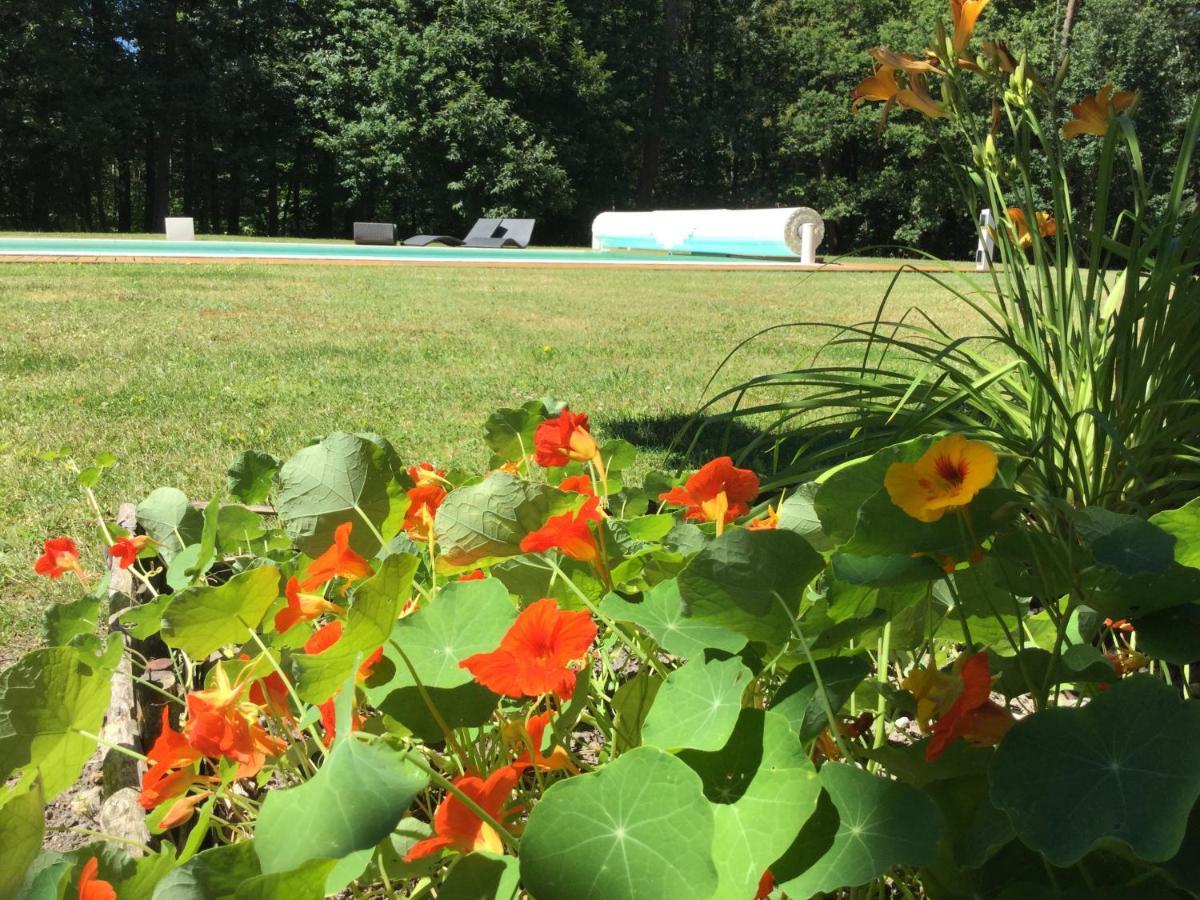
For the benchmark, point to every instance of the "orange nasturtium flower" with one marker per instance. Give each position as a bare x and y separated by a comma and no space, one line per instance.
766,522
766,884
222,724
423,502
457,827
569,533
526,738
934,692
964,13
535,656
59,556
125,550
949,475
719,492
1046,226
302,607
1093,115
473,575
578,484
973,716
171,775
425,474
92,887
565,438
338,560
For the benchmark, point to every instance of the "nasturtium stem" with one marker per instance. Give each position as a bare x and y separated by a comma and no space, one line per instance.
126,751
432,707
881,677
831,717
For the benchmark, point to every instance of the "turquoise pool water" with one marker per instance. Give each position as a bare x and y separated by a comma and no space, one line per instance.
85,247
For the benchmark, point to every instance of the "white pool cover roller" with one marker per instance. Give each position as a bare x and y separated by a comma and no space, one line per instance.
794,232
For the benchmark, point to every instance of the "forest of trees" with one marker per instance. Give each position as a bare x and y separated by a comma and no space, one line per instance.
297,117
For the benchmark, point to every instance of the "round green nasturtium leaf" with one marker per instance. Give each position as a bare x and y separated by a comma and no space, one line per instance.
697,705
843,490
1129,544
1184,525
863,826
481,876
763,788
204,618
1172,635
509,432
1123,767
345,478
883,528
466,618
309,881
486,521
46,699
252,476
661,614
638,828
797,699
353,802
169,518
741,580
214,873
373,610
239,527
22,825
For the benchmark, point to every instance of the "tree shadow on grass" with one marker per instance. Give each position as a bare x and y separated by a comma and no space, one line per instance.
690,442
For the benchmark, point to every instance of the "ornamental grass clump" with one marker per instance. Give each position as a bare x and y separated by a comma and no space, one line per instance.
1086,363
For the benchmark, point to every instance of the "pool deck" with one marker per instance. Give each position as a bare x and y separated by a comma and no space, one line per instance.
103,250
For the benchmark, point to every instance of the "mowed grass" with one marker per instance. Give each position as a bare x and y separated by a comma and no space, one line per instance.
176,369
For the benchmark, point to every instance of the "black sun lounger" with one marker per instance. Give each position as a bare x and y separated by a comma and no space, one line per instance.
484,233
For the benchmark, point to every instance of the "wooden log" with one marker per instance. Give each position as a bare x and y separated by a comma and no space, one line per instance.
120,814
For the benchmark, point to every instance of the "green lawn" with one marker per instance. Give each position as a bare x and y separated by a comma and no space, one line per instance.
177,368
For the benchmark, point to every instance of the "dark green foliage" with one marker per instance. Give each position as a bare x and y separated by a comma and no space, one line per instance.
298,117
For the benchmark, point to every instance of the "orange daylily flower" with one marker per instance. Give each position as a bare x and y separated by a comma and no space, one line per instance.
964,13
457,827
948,476
578,484
527,736
879,85
766,522
905,62
719,492
973,716
1046,226
302,607
92,887
423,502
1093,115
882,85
222,724
569,533
425,474
125,550
338,561
916,96
535,655
565,438
59,556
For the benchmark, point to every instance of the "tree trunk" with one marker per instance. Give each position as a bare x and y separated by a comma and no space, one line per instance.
675,13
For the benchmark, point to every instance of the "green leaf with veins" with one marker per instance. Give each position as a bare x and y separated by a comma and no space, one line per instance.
697,706
634,829
661,614
203,618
